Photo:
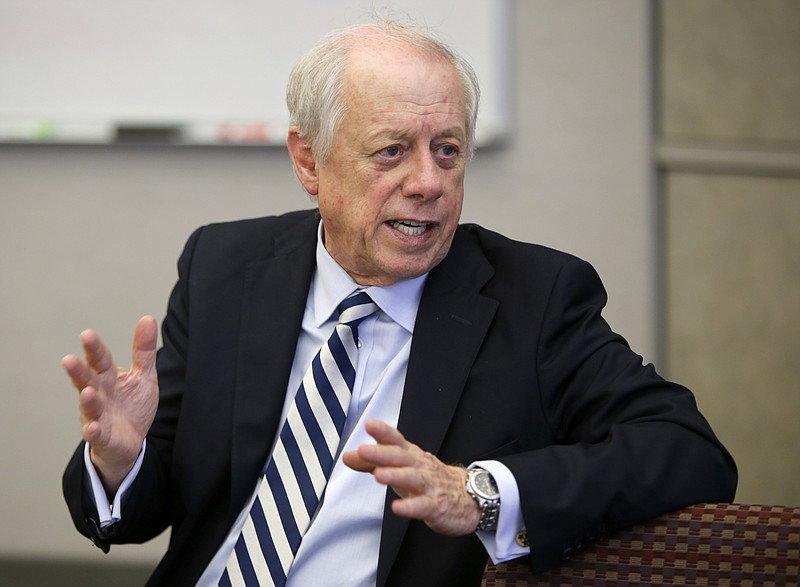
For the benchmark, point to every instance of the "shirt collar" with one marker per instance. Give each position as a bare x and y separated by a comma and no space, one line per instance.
332,284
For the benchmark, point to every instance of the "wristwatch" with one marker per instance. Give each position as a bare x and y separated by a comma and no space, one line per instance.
483,489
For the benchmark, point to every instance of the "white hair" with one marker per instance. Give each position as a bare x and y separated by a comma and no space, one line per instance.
314,90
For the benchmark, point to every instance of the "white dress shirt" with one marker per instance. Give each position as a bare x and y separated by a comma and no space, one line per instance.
342,543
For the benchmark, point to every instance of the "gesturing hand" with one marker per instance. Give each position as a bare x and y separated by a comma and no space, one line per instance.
429,490
116,406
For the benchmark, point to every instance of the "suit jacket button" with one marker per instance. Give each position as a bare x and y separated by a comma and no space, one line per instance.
522,538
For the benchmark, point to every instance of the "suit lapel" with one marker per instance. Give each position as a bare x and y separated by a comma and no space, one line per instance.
451,324
273,303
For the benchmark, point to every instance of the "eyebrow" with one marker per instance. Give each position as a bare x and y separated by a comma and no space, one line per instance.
394,133
454,131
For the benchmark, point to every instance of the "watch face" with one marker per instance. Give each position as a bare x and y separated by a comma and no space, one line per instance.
485,485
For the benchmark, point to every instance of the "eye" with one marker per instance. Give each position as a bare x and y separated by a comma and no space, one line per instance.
392,151
448,150
447,154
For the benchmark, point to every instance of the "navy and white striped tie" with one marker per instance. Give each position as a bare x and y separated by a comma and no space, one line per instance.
301,462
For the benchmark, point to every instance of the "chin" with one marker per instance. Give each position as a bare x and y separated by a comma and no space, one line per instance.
412,270
391,268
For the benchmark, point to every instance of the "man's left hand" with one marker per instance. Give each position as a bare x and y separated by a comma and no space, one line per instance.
429,490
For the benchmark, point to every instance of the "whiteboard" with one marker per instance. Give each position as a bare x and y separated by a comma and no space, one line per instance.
204,71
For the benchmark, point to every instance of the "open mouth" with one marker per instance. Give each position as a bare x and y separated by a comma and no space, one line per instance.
409,227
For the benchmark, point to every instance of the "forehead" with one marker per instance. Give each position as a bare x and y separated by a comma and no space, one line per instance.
386,71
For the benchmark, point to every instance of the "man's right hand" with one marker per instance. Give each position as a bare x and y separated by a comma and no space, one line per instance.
117,407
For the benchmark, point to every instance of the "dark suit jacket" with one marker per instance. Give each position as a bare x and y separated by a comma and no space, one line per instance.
510,360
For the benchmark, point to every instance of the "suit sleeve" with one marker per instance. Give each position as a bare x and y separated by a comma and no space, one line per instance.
629,445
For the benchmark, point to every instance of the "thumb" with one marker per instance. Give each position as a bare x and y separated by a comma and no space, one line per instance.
353,460
145,339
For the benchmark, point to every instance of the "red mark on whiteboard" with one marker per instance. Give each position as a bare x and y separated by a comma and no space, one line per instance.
256,132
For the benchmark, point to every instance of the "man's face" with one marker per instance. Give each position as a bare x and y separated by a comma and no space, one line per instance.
390,193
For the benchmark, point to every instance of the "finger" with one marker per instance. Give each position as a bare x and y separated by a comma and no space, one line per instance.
385,434
418,507
145,340
79,373
90,405
92,432
404,480
382,455
98,357
91,408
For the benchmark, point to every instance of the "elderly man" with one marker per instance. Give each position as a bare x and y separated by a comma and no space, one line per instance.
466,398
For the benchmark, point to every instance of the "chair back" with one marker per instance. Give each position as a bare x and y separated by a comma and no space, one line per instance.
705,544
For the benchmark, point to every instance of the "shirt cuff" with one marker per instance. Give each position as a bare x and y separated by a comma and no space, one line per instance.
110,512
503,544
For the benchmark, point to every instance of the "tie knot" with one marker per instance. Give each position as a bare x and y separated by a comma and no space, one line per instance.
355,308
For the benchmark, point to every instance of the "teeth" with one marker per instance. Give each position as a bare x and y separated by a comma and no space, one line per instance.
408,227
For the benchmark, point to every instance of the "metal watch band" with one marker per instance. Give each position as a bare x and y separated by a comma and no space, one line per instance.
489,506
490,512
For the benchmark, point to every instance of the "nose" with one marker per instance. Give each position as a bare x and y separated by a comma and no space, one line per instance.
425,179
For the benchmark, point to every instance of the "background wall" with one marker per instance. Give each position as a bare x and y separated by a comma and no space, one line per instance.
89,237
729,82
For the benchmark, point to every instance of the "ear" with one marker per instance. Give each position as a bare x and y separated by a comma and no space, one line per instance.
303,161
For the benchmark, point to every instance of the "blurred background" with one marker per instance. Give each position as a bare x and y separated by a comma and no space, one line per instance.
658,140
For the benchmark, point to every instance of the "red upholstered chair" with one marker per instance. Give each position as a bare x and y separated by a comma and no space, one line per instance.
707,544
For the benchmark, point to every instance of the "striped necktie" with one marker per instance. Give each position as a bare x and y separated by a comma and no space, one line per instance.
302,459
